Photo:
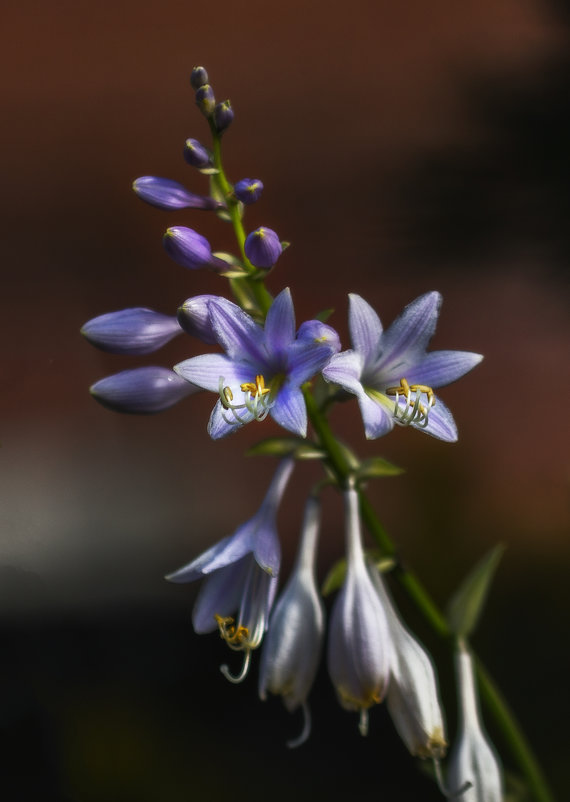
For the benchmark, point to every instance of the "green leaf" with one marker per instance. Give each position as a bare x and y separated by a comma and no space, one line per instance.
285,446
324,315
377,466
467,603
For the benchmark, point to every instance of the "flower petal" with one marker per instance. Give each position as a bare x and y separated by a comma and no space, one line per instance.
376,416
345,370
223,421
220,594
305,359
237,332
408,336
289,410
440,423
280,323
205,371
439,368
228,550
365,328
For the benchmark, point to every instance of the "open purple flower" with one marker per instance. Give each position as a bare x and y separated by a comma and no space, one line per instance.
392,375
263,368
241,573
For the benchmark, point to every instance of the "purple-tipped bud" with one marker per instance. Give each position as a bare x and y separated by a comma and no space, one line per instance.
190,249
142,391
196,154
248,190
167,194
205,100
263,247
223,116
198,77
131,331
194,318
313,331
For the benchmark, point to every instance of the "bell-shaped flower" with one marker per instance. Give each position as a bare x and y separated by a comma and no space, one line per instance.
167,194
263,368
475,773
241,577
413,695
359,639
131,331
390,372
292,648
142,391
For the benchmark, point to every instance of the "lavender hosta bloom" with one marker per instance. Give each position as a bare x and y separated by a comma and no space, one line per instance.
292,649
473,760
263,247
131,331
263,368
359,647
196,155
167,194
190,249
241,577
142,391
392,375
413,696
248,190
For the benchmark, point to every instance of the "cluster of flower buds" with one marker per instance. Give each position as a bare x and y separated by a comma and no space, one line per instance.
221,114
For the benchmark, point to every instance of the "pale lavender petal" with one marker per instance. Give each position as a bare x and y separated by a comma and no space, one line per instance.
365,328
289,410
440,423
345,369
223,422
237,333
280,323
229,550
408,336
377,417
439,368
205,371
267,550
220,594
304,360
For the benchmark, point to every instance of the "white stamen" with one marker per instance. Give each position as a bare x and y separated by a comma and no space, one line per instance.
363,723
305,732
258,405
244,669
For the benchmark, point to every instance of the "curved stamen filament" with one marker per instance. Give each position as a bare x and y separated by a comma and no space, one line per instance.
236,679
257,400
413,411
305,732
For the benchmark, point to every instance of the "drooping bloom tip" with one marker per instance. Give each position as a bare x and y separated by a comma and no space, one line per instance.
142,391
131,331
248,190
263,247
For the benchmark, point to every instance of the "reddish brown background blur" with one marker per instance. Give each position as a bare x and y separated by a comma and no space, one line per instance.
404,147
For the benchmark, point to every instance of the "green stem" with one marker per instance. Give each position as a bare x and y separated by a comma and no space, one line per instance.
511,731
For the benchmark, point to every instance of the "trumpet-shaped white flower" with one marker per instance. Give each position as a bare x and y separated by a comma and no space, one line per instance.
292,648
359,638
473,760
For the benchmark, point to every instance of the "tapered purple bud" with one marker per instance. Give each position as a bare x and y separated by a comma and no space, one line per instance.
248,190
142,391
205,100
131,331
167,194
190,249
198,77
263,247
223,116
196,154
194,318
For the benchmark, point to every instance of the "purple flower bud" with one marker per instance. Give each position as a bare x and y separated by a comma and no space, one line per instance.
205,100
263,247
196,154
248,190
194,318
167,194
198,77
131,331
223,116
190,249
313,331
142,391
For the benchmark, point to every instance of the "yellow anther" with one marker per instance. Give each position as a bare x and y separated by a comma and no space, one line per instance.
258,389
413,410
228,395
233,636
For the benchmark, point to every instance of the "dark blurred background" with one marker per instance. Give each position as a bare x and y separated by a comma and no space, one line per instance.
404,147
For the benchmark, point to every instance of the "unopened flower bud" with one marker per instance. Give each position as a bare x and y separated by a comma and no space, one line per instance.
194,318
131,331
190,249
196,155
205,100
248,190
263,247
198,77
142,391
316,332
223,116
167,194
473,761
